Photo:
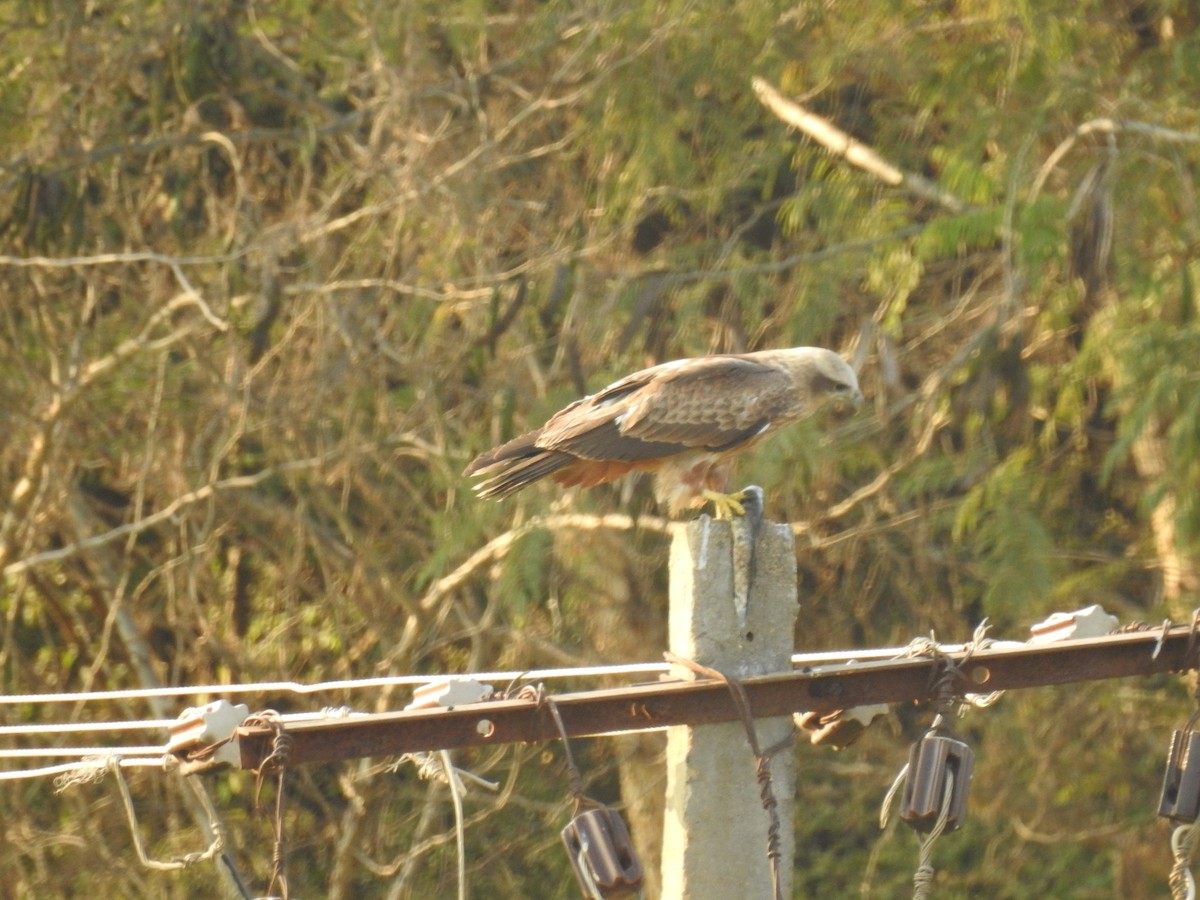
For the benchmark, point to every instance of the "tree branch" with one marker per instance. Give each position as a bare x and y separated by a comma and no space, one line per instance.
189,294
171,509
498,547
1106,126
854,152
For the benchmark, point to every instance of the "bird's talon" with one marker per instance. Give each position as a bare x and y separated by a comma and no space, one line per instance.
726,506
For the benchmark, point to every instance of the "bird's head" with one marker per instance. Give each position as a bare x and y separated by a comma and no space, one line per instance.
832,379
823,376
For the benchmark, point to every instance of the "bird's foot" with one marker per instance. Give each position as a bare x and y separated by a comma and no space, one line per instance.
726,506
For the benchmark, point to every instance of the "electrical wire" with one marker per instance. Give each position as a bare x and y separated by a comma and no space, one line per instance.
77,752
295,687
826,657
799,660
87,727
82,764
47,728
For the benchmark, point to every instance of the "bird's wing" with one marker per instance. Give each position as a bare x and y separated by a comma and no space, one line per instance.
712,403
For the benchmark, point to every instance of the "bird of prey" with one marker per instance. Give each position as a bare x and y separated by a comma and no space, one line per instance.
684,421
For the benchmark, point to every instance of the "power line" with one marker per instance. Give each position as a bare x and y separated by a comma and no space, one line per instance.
653,706
823,657
99,763
78,752
296,687
49,728
41,729
825,681
86,727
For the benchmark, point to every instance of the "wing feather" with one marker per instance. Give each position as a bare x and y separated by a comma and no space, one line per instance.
711,403
716,403
678,419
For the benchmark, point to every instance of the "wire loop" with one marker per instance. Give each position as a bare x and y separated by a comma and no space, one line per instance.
275,762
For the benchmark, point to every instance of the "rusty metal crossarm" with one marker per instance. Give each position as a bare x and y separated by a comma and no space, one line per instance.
643,707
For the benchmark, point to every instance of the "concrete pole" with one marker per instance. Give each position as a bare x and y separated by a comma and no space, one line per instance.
715,830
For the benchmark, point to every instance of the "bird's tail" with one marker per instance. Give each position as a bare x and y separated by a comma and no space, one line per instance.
515,465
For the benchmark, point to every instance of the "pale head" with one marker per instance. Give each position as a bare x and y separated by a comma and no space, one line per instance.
819,373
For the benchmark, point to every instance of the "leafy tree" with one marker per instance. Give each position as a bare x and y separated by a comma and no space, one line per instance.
274,272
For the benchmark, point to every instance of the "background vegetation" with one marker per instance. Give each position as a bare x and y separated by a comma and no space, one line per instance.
274,272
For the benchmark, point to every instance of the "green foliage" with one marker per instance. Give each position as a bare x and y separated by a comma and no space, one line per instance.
385,236
950,236
1159,400
524,581
1003,532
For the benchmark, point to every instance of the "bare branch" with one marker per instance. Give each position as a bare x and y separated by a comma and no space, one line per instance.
171,509
854,152
882,480
189,293
140,341
81,376
1112,127
497,548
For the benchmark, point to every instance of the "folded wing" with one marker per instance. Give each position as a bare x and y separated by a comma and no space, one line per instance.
711,404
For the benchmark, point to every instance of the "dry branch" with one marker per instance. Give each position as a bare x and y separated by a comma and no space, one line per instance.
167,512
854,152
497,548
1108,127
